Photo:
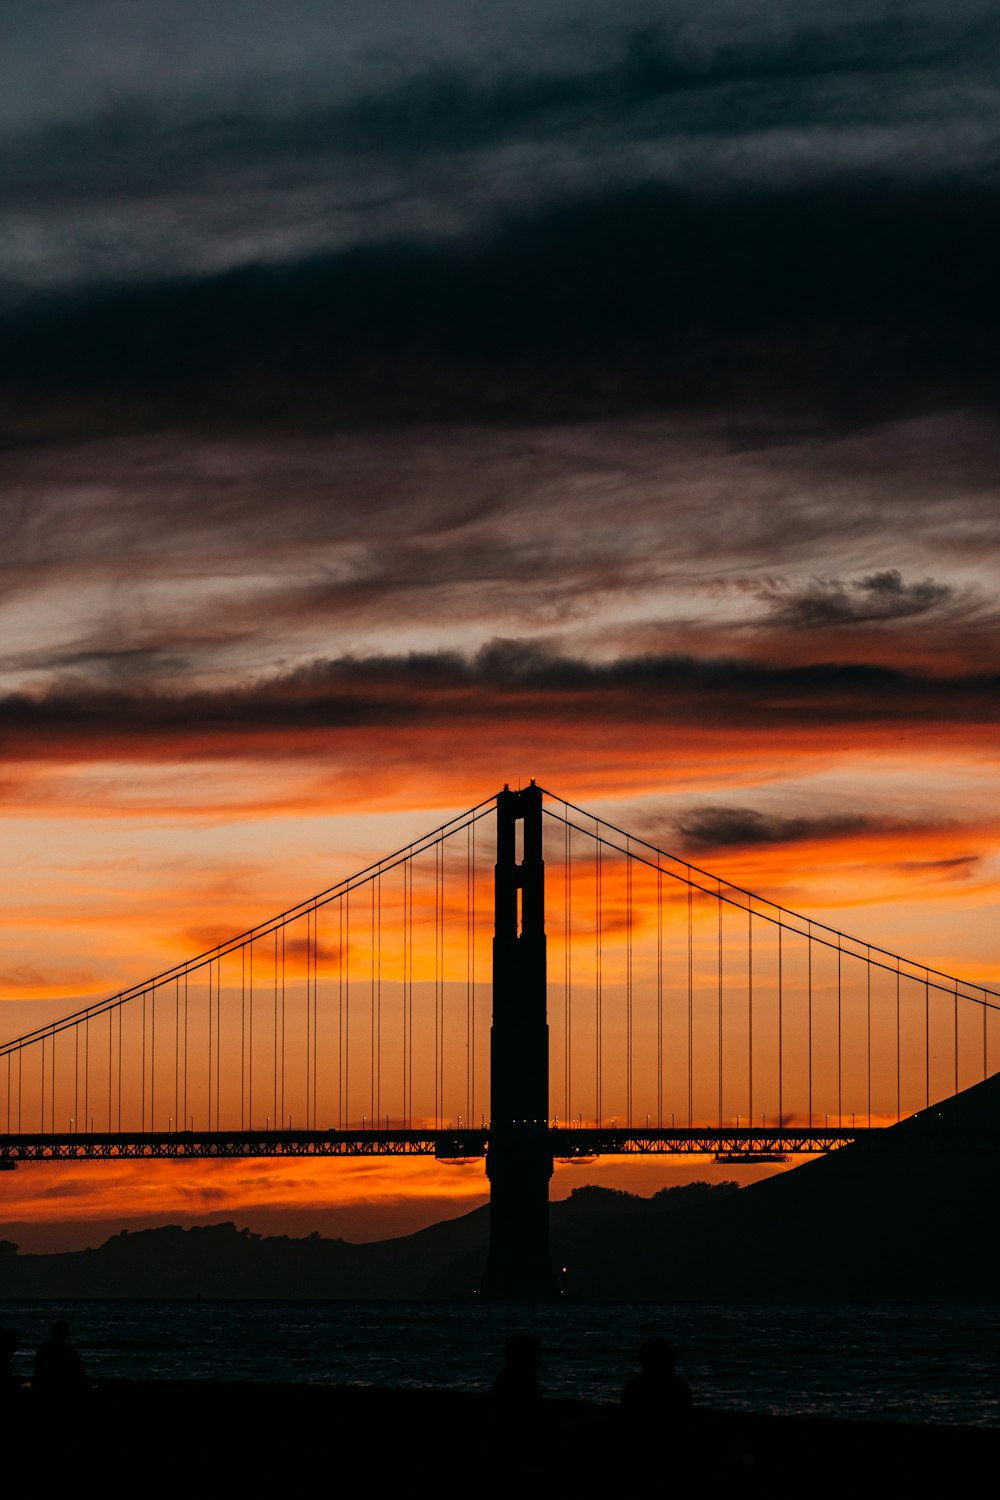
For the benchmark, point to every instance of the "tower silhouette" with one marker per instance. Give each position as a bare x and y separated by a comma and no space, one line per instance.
519,1158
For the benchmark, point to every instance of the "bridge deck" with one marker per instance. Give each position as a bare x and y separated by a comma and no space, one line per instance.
567,1143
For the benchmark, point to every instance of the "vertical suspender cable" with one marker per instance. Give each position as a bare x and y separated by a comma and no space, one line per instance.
110,1065
956,1036
409,1048
719,904
346,951
809,1005
628,988
280,1110
378,1006
279,980
468,976
142,1069
177,1053
249,1038
371,1010
437,986
927,1040
218,1041
315,1019
567,973
472,1065
152,1056
598,897
243,1036
598,974
340,1013
840,1070
406,867
441,973
690,1003
184,1122
781,1028
659,997
749,1013
899,1111
868,1010
208,1121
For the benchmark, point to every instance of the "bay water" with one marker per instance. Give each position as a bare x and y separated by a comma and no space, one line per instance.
929,1363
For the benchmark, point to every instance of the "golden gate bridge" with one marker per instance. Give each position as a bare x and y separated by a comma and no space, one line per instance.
464,997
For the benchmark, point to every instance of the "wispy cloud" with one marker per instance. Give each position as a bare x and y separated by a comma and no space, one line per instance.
188,563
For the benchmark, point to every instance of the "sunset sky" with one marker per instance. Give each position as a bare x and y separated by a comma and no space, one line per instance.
402,400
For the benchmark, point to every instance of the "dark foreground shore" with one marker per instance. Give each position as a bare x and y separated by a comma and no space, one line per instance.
247,1432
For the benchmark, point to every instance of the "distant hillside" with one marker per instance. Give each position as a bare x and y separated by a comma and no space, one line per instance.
855,1225
219,1260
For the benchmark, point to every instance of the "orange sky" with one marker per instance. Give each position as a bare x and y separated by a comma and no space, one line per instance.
101,899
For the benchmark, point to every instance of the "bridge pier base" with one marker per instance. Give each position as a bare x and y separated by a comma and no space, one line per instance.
519,1165
519,1156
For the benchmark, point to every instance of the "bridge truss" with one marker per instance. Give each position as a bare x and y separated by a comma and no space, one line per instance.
738,1145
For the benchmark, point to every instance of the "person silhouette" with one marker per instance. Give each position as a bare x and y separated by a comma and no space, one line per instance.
58,1367
519,1425
656,1407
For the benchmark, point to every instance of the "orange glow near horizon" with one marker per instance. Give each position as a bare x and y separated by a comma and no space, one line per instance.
125,891
96,1196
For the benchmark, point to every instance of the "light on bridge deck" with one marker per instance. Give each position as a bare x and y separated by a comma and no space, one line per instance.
745,1158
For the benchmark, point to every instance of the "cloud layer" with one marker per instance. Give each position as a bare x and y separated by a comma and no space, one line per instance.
425,124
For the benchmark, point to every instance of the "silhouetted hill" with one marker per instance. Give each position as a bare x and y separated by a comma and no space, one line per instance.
855,1225
219,1260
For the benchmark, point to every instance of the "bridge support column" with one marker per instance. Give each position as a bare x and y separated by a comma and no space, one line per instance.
519,1157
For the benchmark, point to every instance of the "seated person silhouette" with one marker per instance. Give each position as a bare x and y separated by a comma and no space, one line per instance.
58,1367
656,1408
519,1425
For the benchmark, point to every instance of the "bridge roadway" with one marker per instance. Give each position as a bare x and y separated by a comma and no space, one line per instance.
568,1143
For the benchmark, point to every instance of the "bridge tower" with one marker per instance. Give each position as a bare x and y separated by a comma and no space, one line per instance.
519,1158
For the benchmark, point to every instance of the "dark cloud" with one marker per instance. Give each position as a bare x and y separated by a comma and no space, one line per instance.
506,682
856,302
710,828
963,864
652,82
525,219
28,976
875,598
216,160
